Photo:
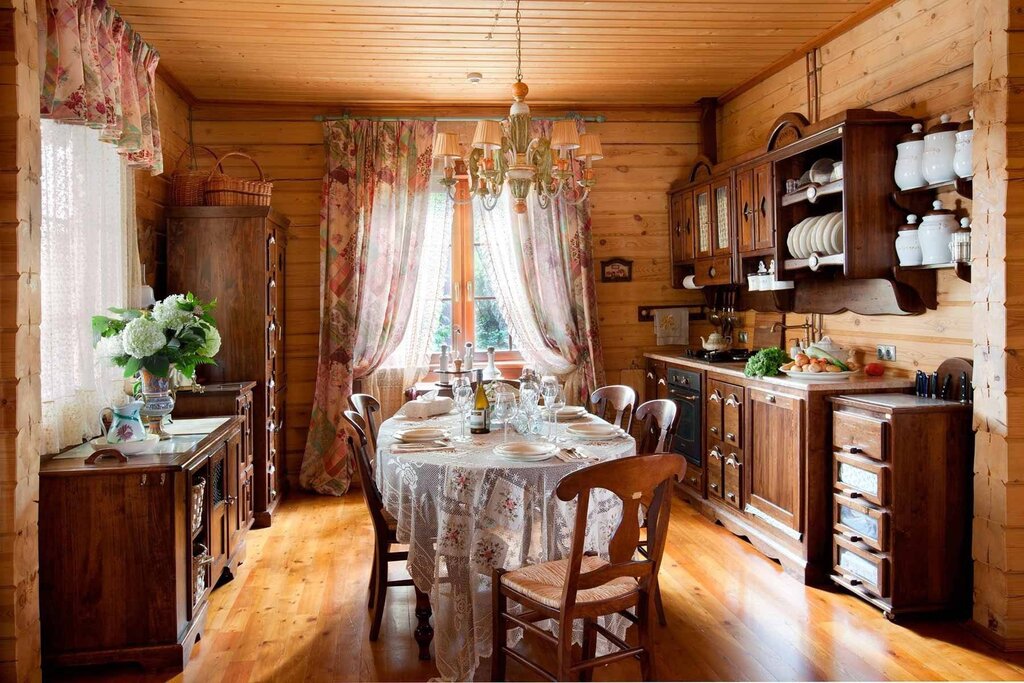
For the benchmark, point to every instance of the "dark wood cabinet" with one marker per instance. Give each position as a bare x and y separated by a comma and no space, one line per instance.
902,504
129,558
703,244
237,255
655,381
681,228
745,210
774,463
233,500
722,216
764,207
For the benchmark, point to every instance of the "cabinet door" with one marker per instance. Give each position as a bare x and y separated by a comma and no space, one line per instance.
722,217
732,416
773,461
732,476
681,226
713,409
238,518
746,210
702,220
655,385
716,460
764,207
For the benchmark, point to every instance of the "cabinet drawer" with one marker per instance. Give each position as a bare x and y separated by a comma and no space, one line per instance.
713,410
860,567
861,523
733,475
693,479
860,478
713,271
859,434
715,471
781,400
732,416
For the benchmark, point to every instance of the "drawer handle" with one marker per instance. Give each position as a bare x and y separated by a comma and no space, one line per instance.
856,539
715,453
853,449
692,480
713,430
855,582
731,496
854,494
732,400
729,436
713,486
650,375
661,382
715,396
770,398
712,272
732,461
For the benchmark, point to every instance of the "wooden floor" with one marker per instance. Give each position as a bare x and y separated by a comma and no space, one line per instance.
297,612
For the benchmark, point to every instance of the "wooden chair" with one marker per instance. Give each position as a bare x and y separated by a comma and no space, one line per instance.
584,586
367,407
384,524
618,397
658,426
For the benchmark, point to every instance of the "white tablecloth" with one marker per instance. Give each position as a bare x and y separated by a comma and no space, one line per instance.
465,512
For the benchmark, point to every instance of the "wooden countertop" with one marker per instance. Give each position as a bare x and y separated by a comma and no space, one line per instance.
857,383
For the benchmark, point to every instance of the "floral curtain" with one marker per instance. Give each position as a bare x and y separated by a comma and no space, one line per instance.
373,221
99,72
547,290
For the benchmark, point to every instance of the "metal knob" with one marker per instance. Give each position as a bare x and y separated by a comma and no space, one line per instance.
770,398
856,539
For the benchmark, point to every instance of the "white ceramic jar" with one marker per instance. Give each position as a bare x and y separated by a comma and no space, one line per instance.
963,161
908,247
909,156
939,150
935,232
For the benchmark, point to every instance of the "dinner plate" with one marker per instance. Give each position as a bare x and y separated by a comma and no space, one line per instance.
593,429
791,239
804,244
421,434
528,451
598,437
814,241
820,376
827,230
837,236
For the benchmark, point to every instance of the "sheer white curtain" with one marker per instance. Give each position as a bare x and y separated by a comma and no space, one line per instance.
501,231
89,253
411,360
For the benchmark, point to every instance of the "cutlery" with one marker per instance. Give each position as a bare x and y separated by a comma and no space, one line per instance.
947,388
965,388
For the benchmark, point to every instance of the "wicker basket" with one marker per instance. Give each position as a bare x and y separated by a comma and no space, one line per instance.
224,190
188,186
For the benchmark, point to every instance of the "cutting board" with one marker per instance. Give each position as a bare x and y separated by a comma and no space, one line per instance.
763,336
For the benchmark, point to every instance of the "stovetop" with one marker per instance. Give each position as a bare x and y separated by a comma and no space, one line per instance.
730,356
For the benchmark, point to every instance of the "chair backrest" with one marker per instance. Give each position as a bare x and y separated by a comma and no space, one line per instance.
638,479
618,397
358,445
367,407
658,425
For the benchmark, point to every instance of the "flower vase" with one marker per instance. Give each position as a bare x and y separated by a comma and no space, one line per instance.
158,401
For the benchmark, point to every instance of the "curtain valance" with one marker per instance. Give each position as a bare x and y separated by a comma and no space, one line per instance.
99,72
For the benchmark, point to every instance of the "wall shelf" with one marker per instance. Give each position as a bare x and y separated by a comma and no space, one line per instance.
962,270
910,200
811,193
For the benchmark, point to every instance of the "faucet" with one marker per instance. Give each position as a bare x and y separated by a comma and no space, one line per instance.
813,327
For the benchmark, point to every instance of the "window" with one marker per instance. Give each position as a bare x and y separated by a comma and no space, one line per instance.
469,310
86,250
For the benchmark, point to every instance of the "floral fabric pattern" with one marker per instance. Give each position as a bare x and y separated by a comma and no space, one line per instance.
100,73
372,224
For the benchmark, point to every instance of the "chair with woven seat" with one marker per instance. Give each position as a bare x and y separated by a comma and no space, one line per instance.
368,407
618,398
585,586
384,525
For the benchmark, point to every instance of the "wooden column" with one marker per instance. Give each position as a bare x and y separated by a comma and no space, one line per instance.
19,341
998,314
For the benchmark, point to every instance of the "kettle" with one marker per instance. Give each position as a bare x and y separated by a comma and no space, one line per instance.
125,423
716,342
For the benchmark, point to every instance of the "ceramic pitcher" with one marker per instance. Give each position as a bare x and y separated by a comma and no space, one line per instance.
125,423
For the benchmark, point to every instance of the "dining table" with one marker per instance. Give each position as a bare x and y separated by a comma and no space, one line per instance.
465,509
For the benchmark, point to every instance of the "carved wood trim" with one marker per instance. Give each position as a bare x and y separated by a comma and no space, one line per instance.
704,164
786,130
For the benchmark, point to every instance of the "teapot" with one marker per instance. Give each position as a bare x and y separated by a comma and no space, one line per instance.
716,342
125,423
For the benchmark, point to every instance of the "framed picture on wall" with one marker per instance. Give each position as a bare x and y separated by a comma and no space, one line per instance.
617,270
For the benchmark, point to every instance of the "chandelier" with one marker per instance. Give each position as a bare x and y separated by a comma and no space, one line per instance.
503,152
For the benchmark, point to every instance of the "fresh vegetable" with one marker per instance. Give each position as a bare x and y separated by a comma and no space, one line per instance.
766,362
815,352
874,369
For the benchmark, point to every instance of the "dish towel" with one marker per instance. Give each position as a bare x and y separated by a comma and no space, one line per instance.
672,326
422,408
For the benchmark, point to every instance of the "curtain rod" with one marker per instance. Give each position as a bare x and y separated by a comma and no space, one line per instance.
599,118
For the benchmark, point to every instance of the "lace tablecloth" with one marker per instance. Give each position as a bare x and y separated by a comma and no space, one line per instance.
465,512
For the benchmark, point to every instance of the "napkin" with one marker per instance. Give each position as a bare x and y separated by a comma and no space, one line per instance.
429,447
421,409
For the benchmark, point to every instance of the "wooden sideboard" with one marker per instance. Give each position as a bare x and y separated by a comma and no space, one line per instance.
127,566
902,502
766,466
236,255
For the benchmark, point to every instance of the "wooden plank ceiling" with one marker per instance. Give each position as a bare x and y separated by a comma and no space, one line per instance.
590,53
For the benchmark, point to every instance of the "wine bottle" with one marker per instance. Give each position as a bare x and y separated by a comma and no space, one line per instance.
480,418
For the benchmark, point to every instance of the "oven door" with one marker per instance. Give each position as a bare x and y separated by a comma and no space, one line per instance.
687,438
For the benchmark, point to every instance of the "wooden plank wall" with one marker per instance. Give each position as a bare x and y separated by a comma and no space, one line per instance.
914,58
151,191
19,342
645,151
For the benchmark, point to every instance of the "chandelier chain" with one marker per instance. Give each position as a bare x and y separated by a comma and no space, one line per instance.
519,45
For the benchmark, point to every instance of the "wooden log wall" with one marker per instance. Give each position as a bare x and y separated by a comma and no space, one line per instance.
19,341
645,150
914,58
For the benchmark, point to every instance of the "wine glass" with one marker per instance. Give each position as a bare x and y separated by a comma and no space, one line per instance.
549,389
556,404
505,410
463,394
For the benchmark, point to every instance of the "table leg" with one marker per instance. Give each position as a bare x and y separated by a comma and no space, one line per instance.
424,633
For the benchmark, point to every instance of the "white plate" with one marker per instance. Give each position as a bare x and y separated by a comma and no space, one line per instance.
837,236
801,234
598,437
126,447
791,239
417,434
528,451
821,376
807,235
593,429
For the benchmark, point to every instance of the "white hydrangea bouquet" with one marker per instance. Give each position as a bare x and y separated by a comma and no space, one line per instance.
178,333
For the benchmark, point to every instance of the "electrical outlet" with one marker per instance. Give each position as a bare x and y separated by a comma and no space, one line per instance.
886,352
743,337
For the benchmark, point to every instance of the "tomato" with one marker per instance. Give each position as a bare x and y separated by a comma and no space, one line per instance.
874,369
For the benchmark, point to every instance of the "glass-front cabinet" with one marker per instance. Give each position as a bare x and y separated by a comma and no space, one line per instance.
722,225
702,209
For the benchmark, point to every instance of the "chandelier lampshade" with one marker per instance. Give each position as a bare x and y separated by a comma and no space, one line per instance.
590,147
564,135
446,146
488,135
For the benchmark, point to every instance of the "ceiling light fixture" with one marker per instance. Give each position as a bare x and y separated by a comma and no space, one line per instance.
503,151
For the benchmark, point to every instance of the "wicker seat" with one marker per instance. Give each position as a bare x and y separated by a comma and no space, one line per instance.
545,582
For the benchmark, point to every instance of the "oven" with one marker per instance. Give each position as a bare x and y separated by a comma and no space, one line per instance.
685,391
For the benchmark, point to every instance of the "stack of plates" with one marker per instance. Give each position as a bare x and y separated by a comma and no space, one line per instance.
421,434
821,235
526,451
569,413
594,431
